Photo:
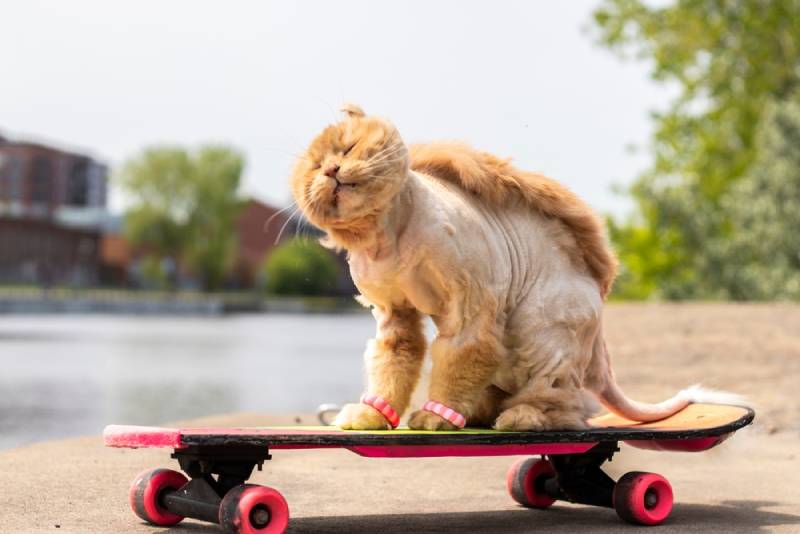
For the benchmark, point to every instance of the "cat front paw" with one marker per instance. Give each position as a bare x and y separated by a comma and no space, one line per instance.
422,420
360,417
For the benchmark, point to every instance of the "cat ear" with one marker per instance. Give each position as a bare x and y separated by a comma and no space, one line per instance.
352,110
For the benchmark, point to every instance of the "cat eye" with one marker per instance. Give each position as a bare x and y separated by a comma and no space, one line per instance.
347,151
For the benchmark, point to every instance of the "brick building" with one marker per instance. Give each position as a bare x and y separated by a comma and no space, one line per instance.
52,208
259,229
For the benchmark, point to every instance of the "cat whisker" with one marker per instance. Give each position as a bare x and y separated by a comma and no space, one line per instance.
299,228
272,217
288,220
288,153
385,153
336,118
383,163
385,157
388,158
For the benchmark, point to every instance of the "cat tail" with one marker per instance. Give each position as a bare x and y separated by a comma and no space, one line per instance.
614,399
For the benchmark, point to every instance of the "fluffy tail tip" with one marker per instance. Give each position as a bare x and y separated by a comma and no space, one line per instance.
697,394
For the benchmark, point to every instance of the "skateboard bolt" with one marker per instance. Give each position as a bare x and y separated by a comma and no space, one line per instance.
259,516
650,499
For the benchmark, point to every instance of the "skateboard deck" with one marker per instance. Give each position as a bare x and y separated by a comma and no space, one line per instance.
219,461
696,428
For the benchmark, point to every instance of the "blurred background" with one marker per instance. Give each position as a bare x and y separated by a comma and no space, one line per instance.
153,266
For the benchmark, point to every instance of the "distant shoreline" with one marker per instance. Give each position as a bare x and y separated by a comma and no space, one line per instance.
121,301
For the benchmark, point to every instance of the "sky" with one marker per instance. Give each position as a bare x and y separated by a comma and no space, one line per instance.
521,79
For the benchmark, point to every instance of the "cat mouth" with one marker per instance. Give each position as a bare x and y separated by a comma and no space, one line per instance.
338,189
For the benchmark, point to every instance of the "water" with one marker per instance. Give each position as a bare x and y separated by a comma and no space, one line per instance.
71,375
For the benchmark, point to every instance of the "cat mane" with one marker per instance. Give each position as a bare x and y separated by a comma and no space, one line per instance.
499,182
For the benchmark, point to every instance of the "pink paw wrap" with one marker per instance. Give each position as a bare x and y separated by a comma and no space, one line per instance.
444,412
382,406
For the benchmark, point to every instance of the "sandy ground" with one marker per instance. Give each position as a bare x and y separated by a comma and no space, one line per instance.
748,484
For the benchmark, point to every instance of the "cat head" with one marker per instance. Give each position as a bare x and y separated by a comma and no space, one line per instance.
350,172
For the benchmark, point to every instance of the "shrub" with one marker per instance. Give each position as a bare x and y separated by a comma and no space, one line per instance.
300,267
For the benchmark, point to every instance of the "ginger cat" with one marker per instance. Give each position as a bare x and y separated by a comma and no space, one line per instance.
511,266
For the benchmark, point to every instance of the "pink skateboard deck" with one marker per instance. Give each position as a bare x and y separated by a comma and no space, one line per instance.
220,460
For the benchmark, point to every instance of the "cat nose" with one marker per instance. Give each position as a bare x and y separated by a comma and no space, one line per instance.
331,171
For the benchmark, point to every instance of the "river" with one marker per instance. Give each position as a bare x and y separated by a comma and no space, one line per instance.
69,375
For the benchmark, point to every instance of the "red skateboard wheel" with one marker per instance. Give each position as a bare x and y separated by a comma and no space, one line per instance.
252,509
146,491
525,481
643,498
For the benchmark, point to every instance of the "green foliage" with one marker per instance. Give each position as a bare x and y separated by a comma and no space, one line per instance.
732,61
763,251
153,274
184,206
300,267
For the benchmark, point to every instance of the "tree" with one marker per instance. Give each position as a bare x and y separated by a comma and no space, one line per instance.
300,267
763,251
184,206
732,60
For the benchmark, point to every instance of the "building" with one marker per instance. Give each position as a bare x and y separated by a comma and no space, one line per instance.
55,228
260,228
52,209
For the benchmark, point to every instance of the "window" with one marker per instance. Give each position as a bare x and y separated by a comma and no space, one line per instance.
78,184
41,180
10,177
14,171
3,175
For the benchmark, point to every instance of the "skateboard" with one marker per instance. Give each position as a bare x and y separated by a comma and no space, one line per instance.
218,462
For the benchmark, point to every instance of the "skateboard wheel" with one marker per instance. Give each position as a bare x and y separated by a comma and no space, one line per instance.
525,481
252,509
643,498
147,490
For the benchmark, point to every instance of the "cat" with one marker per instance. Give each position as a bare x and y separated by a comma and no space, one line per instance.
511,266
